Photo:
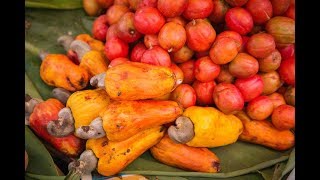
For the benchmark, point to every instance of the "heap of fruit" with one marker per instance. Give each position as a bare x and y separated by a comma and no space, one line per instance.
176,77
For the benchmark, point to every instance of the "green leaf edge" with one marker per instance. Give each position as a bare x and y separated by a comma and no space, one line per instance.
290,164
68,4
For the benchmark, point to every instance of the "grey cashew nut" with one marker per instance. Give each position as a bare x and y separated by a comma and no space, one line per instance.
63,126
98,80
80,47
29,105
94,130
61,94
183,132
85,164
65,41
43,54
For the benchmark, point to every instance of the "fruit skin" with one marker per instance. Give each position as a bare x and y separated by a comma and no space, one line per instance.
183,156
185,95
228,98
279,7
172,8
233,35
212,127
204,92
59,71
283,117
224,75
200,35
123,119
240,20
287,52
264,133
178,73
86,105
156,55
282,29
100,27
243,66
291,13
92,42
188,71
236,3
124,81
271,81
94,62
112,32
287,71
151,40
46,112
277,99
148,20
261,10
290,95
271,62
250,88
172,36
115,12
261,45
220,8
105,3
137,52
198,9
182,55
118,61
223,50
115,48
205,70
115,156
260,108
126,30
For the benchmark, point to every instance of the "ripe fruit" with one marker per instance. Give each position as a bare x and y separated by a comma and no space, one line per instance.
185,95
277,99
223,51
243,66
261,45
100,27
188,72
260,108
115,12
283,117
224,75
271,62
115,48
126,30
240,20
182,55
148,20
137,52
233,35
250,88
172,36
290,95
282,29
205,70
204,92
219,11
261,10
198,9
156,56
271,81
172,8
287,71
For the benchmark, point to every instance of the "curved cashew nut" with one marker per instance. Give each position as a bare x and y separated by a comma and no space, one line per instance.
98,80
65,41
94,130
85,164
183,132
61,94
63,126
80,47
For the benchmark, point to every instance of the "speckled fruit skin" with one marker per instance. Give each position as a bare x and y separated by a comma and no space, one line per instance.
156,56
223,50
282,29
279,7
172,36
188,72
243,66
260,108
182,55
283,117
137,52
220,8
126,30
233,35
204,92
198,9
148,20
115,48
250,88
228,98
185,95
205,70
115,12
200,35
287,71
261,45
240,20
277,99
271,62
261,10
172,8
271,81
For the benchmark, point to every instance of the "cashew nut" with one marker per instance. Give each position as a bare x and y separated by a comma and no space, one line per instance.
80,47
29,105
84,165
43,54
65,41
63,126
61,94
183,132
94,130
98,80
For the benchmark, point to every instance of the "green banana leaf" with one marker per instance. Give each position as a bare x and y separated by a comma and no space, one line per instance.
238,161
